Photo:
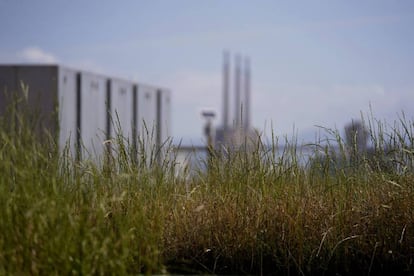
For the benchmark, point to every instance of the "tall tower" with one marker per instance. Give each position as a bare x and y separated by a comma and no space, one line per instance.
226,91
247,93
238,108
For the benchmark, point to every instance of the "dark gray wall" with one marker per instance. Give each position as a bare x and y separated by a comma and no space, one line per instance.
42,91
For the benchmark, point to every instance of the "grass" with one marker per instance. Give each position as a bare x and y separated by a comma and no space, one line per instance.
253,212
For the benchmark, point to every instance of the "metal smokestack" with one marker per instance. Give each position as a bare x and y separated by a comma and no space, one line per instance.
237,78
226,90
247,93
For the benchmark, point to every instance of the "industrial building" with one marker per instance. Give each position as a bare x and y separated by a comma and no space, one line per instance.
83,110
236,131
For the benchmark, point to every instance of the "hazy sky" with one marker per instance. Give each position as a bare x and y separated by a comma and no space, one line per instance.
313,62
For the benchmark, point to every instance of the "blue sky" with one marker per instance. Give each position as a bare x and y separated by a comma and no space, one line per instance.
313,62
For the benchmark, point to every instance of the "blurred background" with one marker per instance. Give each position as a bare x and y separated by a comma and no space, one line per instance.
313,63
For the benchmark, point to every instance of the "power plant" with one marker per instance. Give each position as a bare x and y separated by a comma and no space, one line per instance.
236,130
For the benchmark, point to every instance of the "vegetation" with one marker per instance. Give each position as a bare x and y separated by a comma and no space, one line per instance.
266,211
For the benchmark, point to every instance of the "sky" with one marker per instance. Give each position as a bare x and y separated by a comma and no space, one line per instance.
313,63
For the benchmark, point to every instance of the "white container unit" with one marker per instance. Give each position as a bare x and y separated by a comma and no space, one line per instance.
163,123
122,109
51,95
68,110
147,112
93,115
146,122
83,110
164,115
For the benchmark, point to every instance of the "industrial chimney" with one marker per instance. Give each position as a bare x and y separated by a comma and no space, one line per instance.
237,90
235,100
226,90
247,93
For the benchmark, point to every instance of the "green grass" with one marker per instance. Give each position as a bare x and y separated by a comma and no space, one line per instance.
253,213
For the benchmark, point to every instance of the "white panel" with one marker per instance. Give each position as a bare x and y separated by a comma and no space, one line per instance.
67,109
146,122
147,111
121,108
164,123
165,115
93,114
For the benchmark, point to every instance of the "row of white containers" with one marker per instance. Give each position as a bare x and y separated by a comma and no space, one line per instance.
92,109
